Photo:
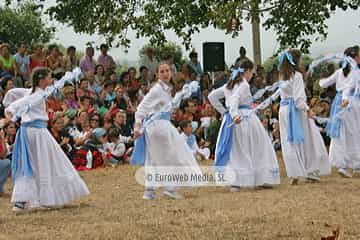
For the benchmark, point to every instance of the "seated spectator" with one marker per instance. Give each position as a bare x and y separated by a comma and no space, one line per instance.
37,58
55,62
142,91
144,76
116,148
23,63
134,83
5,165
86,104
188,108
8,65
189,137
56,129
93,146
119,122
93,86
108,96
69,98
121,98
87,63
125,79
99,74
70,61
6,84
10,134
83,89
95,121
106,60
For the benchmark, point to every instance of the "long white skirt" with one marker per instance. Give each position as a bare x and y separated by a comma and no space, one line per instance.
252,160
303,159
168,152
344,151
55,181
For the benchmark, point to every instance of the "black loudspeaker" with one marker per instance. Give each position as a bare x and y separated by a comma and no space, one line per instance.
213,56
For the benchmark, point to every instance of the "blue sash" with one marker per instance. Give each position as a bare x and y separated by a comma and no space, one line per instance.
334,124
223,148
21,164
191,140
139,154
295,128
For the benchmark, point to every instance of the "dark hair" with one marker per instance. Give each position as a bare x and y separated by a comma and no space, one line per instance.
185,103
113,133
4,81
287,70
350,52
83,98
83,79
52,46
243,50
184,123
246,64
104,46
71,48
142,68
108,83
193,54
122,77
96,68
38,74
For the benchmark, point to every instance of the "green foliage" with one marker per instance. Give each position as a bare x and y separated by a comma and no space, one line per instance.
162,51
296,23
23,24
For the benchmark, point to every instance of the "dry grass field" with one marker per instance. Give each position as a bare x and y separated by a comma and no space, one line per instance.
115,210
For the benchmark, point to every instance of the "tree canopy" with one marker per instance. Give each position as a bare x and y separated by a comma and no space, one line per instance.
23,25
294,22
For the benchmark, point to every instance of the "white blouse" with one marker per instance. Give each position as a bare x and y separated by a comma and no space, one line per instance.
37,110
158,97
337,78
296,90
242,96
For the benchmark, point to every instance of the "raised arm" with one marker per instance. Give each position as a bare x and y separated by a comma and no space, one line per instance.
327,82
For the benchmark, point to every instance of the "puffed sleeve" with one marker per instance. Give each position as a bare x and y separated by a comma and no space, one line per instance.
15,94
214,98
147,104
299,92
327,82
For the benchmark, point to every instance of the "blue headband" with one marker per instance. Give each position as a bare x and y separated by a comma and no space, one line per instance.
282,57
235,72
99,132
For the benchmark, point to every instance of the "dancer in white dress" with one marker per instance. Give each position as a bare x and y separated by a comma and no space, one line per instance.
344,148
237,147
42,173
160,146
303,148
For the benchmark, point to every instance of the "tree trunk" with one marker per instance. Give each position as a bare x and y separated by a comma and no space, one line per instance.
255,22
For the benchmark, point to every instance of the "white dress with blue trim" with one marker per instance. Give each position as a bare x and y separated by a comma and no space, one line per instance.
303,148
244,150
162,145
344,149
42,173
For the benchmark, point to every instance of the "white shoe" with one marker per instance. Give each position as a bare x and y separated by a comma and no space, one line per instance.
173,194
267,186
313,178
344,173
149,195
235,189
